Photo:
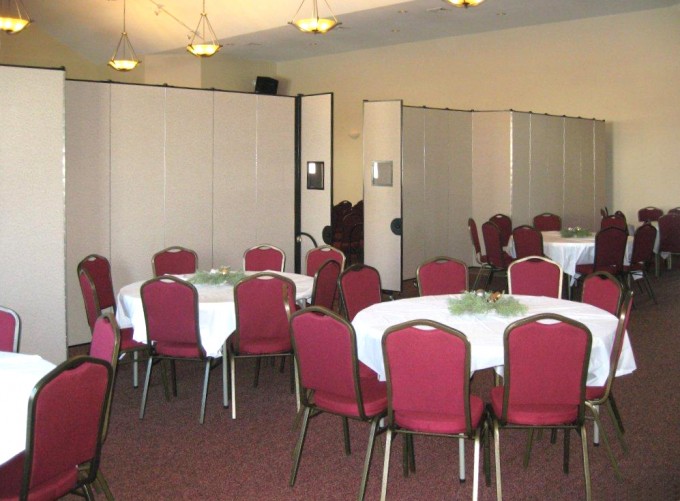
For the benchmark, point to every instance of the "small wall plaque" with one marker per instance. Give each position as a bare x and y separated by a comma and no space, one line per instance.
315,175
381,174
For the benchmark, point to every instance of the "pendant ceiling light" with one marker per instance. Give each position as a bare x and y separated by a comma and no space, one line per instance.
206,34
13,16
464,3
315,24
124,57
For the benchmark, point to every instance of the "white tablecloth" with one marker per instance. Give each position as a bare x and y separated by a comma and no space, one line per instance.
216,313
485,332
18,375
568,252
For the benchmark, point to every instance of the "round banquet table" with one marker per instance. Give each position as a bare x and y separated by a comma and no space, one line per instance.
18,375
485,332
216,312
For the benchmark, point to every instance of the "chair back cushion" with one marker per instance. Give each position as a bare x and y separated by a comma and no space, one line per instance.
504,224
474,236
319,255
649,214
669,232
264,303
528,241
359,288
428,368
10,329
493,243
548,222
171,313
614,220
603,290
610,249
105,343
99,269
643,244
546,364
66,416
442,275
263,258
326,284
535,276
90,297
174,261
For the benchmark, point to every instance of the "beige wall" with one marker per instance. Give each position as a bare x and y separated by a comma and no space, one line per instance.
624,69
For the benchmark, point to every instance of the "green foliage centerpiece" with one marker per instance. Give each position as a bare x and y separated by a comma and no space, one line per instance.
577,232
223,275
481,303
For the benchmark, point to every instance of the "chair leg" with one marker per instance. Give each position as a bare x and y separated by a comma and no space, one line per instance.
164,378
135,369
405,453
173,374
527,451
475,475
225,377
369,455
345,434
461,459
298,447
586,464
412,453
598,425
204,396
386,464
567,436
487,451
497,450
256,381
149,366
104,485
618,426
649,286
232,364
296,382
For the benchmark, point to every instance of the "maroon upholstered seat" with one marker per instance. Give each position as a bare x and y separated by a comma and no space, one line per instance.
330,379
428,378
264,258
647,214
319,255
535,276
359,288
642,257
548,222
174,261
545,371
263,303
10,330
442,275
528,241
94,276
326,284
172,329
66,414
603,290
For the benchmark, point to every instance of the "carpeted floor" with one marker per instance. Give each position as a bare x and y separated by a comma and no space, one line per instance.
169,455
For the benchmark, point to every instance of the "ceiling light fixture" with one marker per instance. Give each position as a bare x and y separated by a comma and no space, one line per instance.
205,32
124,57
315,24
13,16
464,3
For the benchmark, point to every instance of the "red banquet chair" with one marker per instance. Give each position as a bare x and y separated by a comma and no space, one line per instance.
10,330
326,285
548,222
669,235
332,380
428,385
642,257
172,329
66,414
504,224
481,259
544,383
442,275
264,258
174,261
617,220
319,255
610,249
263,304
498,259
528,241
603,290
359,288
535,276
648,214
94,276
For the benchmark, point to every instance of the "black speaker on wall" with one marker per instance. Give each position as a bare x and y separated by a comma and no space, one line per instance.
266,85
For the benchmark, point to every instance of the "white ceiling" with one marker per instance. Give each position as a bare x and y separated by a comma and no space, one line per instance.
258,29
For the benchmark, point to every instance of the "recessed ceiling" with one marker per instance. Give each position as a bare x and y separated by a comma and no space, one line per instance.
258,29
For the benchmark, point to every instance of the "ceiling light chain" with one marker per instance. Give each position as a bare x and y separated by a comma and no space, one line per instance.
205,32
315,24
124,57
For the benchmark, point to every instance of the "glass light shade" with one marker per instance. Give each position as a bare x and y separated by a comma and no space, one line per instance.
124,57
464,3
123,64
315,25
13,25
203,49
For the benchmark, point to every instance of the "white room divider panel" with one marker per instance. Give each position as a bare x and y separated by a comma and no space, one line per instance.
137,180
88,197
547,164
275,211
413,190
316,116
579,181
382,197
600,169
188,203
32,187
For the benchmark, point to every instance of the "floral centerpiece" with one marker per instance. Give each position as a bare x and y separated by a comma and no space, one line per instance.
482,302
222,275
576,231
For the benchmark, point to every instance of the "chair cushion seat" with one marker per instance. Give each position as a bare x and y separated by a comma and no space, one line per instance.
126,341
182,350
373,393
11,473
594,392
428,422
264,346
533,414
